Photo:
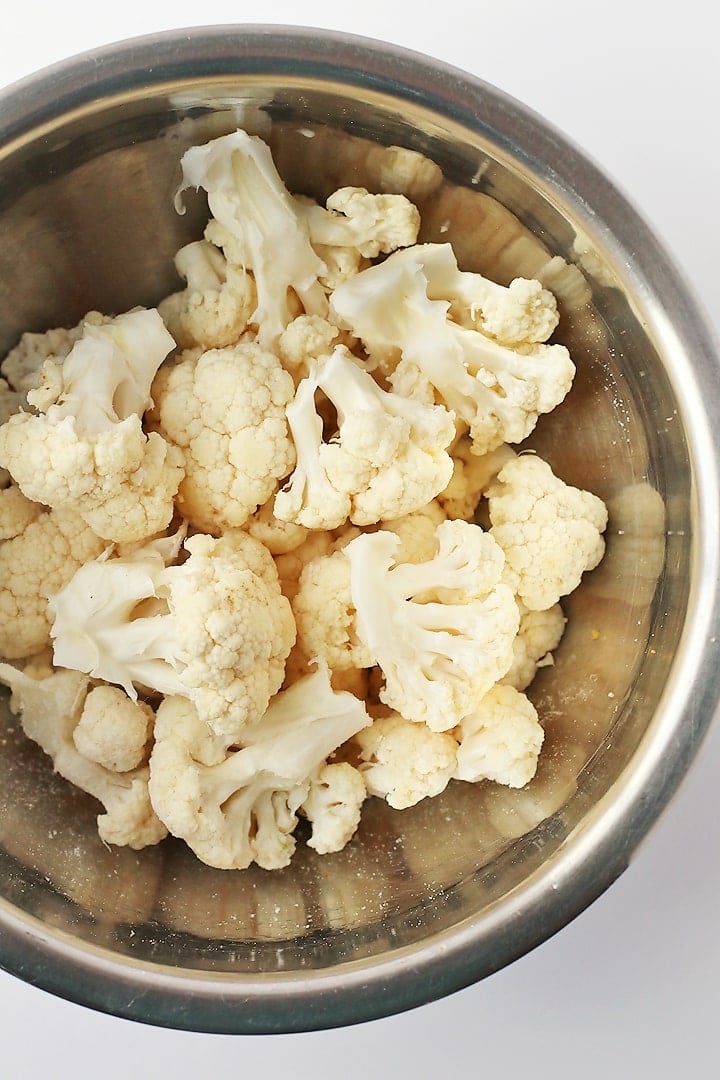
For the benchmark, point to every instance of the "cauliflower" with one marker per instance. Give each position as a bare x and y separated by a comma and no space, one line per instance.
442,630
540,632
113,730
23,365
50,709
325,614
497,390
86,449
551,533
34,564
371,225
333,806
16,512
387,459
305,340
212,629
235,807
500,740
226,410
403,762
214,308
259,226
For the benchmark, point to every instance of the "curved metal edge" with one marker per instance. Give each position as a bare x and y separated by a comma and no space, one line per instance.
442,966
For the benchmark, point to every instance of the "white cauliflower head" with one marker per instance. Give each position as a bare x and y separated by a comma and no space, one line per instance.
500,740
215,307
85,449
333,806
403,761
226,410
387,458
50,709
442,630
236,807
113,730
211,629
550,532
497,390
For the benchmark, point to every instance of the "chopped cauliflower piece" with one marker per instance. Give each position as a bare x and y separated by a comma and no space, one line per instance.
333,806
49,711
539,634
498,391
34,564
23,365
85,449
441,631
500,740
259,226
387,459
16,512
325,614
226,410
210,629
550,532
370,224
403,762
114,730
215,307
236,807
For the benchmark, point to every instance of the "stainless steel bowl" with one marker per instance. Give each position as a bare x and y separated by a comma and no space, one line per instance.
429,900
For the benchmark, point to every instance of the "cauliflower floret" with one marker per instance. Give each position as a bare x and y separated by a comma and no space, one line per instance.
333,805
305,340
387,458
403,761
540,632
215,307
498,391
551,533
34,564
372,225
113,730
325,614
259,226
86,449
442,630
211,629
49,709
237,807
23,365
500,740
16,512
226,410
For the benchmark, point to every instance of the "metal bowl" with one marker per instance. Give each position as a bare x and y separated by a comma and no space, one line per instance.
428,900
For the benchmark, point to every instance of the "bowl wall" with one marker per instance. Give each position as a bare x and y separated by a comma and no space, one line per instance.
427,900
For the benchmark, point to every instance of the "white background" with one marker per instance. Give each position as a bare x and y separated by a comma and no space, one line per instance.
631,989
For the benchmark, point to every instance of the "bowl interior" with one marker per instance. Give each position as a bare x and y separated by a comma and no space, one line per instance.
87,219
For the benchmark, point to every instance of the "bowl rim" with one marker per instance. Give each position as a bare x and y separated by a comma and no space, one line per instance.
601,848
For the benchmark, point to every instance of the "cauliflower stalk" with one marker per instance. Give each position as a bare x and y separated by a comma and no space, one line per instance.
85,448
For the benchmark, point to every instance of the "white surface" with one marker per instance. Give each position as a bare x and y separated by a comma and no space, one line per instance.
630,989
